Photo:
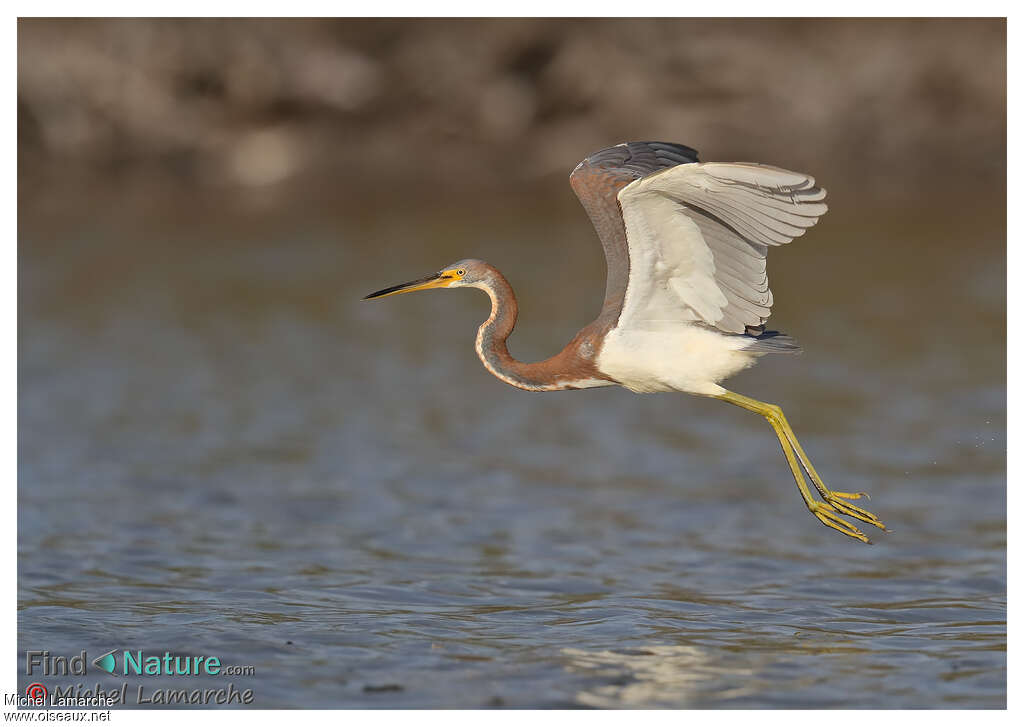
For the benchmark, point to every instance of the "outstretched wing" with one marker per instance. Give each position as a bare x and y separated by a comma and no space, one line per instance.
598,180
697,238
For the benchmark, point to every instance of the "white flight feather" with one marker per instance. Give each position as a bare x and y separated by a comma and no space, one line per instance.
697,237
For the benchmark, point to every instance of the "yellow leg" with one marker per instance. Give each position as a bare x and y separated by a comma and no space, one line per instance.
835,503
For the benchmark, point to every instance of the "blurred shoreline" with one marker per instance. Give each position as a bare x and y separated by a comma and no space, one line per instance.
357,109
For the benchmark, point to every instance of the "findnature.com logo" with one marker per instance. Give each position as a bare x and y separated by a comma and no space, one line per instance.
131,663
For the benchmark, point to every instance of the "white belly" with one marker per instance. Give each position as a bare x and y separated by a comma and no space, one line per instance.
686,358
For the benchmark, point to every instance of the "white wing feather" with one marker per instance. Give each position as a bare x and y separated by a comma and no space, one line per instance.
698,235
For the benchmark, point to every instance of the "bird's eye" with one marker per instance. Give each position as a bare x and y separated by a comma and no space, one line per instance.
461,271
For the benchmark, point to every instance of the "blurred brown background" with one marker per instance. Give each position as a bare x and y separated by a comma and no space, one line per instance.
462,105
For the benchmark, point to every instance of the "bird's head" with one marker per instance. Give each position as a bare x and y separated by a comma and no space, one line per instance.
457,275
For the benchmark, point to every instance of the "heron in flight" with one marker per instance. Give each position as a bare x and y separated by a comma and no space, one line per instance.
687,294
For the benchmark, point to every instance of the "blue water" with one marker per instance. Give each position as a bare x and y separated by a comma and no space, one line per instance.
223,451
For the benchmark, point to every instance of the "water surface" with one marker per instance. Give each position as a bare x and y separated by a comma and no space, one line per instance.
223,451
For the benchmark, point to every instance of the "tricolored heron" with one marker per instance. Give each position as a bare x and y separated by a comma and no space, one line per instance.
687,295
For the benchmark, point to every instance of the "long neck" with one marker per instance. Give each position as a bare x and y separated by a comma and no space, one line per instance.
569,369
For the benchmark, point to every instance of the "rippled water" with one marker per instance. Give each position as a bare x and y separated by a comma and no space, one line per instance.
224,452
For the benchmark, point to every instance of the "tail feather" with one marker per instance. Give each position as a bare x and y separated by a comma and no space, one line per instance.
772,342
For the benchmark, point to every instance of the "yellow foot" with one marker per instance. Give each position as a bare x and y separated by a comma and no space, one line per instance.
827,514
852,495
832,504
838,501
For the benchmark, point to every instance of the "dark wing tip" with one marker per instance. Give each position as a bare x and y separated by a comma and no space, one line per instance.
671,153
638,159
